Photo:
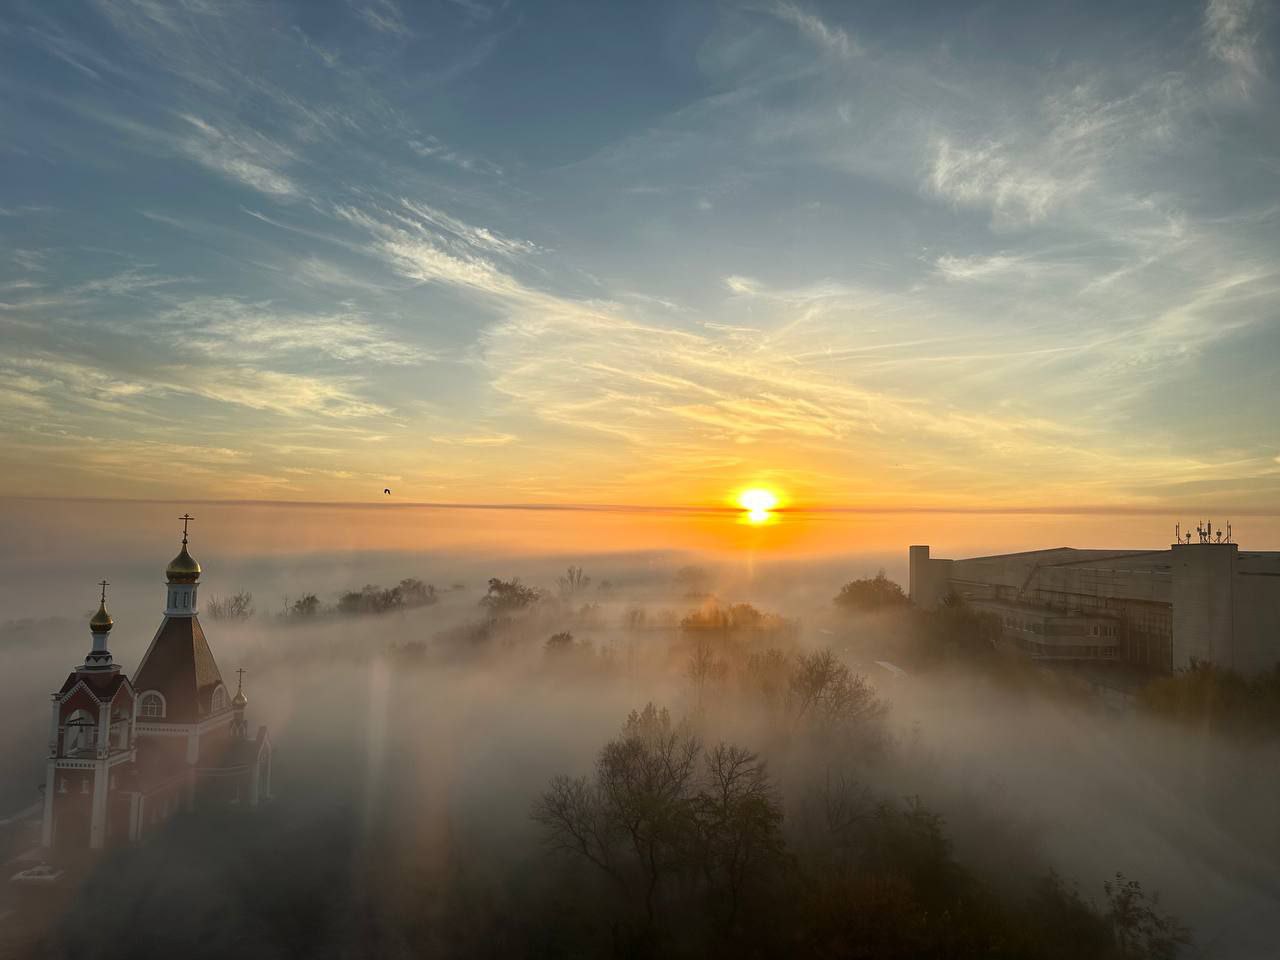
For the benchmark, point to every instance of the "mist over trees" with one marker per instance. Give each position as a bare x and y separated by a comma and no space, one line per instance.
544,772
871,594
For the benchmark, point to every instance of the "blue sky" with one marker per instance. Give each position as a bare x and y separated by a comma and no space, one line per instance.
961,255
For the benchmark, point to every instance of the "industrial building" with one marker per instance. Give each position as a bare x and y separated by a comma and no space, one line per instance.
1201,601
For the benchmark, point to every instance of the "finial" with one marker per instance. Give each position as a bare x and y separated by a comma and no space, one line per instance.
240,699
101,621
185,518
240,679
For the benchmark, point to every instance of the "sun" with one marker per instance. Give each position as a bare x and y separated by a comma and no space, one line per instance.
758,502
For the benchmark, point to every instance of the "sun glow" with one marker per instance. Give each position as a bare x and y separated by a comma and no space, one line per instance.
758,502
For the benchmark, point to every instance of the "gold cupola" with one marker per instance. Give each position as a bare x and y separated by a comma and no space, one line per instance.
183,568
101,621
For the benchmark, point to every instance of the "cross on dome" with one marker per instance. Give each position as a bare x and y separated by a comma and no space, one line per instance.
183,568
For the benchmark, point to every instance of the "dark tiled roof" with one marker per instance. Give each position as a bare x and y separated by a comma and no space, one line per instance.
180,665
102,685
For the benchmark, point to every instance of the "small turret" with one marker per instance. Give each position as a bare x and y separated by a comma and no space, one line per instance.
181,576
99,657
239,727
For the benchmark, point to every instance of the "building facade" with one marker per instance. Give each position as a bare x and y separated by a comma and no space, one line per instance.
1202,601
126,755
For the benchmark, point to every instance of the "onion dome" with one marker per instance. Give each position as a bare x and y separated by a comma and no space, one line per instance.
183,568
239,701
101,622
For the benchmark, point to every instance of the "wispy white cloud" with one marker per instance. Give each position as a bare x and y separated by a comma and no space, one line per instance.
433,148
1231,34
980,267
228,328
250,158
384,16
426,245
287,394
834,40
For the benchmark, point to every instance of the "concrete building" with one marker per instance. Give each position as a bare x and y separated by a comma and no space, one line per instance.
1160,609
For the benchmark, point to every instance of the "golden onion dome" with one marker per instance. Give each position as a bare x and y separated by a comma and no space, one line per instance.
101,622
239,701
183,568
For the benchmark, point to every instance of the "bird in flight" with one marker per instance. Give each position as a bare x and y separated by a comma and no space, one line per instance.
387,491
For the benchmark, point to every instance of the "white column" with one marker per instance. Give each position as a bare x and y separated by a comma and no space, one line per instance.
98,824
104,730
193,744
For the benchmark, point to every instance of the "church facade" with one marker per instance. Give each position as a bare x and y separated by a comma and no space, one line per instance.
126,755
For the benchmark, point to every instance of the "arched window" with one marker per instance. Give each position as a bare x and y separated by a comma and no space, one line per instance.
151,706
220,699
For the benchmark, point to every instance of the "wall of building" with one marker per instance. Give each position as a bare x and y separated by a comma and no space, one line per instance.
1204,608
1193,602
1256,613
929,580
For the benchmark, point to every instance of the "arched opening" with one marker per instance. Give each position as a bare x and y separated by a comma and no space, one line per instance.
81,733
151,706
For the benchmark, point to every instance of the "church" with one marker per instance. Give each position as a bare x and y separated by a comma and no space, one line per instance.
126,755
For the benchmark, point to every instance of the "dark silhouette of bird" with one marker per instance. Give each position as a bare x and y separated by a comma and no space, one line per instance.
387,491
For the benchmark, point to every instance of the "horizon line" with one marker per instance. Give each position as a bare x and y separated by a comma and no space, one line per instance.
1031,510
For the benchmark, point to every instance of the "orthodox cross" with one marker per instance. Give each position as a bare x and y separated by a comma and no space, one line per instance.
185,518
104,584
240,679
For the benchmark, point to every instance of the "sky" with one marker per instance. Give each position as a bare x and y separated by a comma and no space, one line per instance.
873,255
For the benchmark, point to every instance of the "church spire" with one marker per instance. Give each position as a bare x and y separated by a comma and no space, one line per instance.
239,728
99,658
181,574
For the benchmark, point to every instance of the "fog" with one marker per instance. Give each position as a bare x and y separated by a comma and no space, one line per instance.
431,739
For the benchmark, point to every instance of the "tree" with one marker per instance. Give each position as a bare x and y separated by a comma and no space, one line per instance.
307,606
739,619
826,693
957,624
630,821
704,667
371,599
738,819
1140,930
559,642
508,596
236,607
572,583
871,594
415,593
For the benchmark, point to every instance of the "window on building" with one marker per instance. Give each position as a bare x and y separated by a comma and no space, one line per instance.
219,699
151,706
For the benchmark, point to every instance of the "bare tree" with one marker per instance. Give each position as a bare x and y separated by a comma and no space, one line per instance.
239,606
572,583
826,692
